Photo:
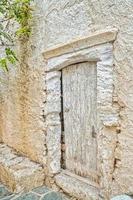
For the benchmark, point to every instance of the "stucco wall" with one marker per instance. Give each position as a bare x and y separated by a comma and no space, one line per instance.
69,19
23,123
23,96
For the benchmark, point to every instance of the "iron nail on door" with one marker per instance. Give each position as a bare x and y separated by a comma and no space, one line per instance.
66,109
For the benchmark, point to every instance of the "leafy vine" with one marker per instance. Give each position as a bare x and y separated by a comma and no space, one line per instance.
11,11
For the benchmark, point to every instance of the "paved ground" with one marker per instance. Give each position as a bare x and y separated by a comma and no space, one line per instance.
41,193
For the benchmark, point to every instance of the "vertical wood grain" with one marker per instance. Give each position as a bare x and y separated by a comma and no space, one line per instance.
80,117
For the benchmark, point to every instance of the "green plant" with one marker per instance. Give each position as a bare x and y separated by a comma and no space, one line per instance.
13,11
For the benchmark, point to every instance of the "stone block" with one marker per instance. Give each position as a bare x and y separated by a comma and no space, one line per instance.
77,188
17,172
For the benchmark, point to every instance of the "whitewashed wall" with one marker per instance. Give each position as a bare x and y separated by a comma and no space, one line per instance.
23,99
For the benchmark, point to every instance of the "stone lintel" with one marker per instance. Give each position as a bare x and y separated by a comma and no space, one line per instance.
93,39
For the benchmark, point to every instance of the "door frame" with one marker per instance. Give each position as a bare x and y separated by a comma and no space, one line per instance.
98,47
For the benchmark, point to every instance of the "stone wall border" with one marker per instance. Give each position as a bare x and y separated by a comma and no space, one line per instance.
97,47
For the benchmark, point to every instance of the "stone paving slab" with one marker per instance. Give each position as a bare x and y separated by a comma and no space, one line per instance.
122,197
40,193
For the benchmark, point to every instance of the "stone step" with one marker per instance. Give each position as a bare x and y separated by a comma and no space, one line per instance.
18,172
77,187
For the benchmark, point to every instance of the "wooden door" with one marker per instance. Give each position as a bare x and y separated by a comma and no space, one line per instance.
80,117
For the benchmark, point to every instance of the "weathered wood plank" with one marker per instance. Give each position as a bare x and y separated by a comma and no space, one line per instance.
80,117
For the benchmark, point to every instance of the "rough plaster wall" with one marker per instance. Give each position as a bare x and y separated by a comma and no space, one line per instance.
68,19
22,120
23,96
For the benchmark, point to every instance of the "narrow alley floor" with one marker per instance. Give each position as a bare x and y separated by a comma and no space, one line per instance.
41,193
